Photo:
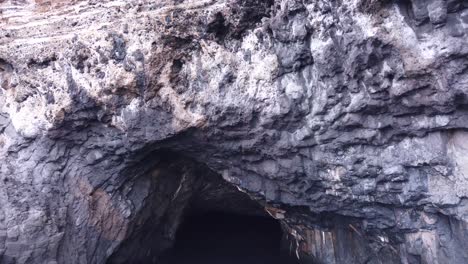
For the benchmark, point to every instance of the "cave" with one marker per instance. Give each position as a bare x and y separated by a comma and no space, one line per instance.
192,215
226,238
223,225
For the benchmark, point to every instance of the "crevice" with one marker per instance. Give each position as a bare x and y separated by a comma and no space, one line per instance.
218,27
42,63
5,74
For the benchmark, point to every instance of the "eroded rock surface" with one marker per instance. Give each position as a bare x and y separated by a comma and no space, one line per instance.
346,120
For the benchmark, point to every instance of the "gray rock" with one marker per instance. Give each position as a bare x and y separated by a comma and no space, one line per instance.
345,120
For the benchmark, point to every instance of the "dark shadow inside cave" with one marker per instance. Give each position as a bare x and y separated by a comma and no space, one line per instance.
217,237
190,214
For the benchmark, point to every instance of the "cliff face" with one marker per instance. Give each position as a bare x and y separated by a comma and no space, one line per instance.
347,120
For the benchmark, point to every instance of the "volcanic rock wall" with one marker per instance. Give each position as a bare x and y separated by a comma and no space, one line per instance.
347,120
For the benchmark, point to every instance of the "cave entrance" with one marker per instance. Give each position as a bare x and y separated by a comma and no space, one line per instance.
216,237
190,214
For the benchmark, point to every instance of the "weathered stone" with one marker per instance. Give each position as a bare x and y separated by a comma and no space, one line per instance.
345,119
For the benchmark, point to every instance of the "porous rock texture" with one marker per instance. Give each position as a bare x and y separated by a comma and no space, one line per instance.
346,120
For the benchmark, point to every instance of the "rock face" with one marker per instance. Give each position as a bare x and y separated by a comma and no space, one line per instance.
346,120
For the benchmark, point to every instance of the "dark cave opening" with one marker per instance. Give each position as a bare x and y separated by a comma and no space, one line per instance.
216,237
190,214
